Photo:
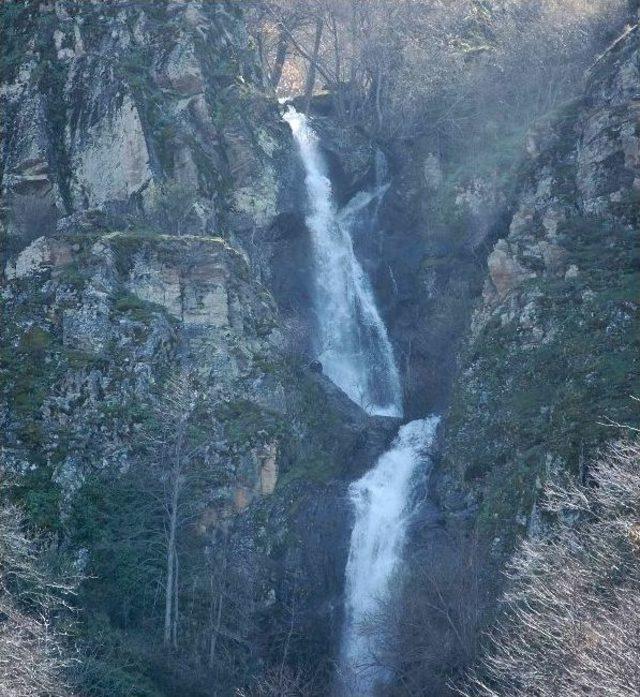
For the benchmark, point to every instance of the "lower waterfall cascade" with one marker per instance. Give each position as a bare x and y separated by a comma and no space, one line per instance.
356,354
383,504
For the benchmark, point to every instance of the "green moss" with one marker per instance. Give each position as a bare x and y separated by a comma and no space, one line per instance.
36,341
30,432
73,276
265,364
171,251
521,402
40,497
247,424
26,377
317,467
153,103
311,439
16,21
50,74
78,359
135,307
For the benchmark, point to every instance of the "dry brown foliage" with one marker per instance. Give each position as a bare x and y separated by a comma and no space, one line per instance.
33,651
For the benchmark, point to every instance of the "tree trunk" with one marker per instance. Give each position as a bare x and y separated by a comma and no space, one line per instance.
168,596
281,56
215,630
301,50
338,93
311,74
379,99
170,591
293,614
353,27
174,620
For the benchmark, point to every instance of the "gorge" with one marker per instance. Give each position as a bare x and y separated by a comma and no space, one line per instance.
356,354
319,351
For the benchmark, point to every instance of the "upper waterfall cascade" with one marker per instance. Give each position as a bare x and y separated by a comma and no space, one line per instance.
351,340
356,354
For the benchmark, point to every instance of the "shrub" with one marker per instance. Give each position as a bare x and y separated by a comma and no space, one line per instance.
571,622
33,600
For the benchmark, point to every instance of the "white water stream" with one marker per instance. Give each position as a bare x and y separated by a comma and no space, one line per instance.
383,505
351,340
353,346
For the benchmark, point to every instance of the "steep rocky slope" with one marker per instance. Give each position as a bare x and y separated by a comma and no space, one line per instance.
519,303
104,101
132,267
144,172
552,355
153,236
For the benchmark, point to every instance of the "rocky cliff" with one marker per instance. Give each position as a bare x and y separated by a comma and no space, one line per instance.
551,359
143,172
155,295
512,297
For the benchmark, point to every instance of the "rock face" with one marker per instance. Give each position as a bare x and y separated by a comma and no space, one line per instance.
95,320
427,263
152,229
110,161
552,355
148,183
105,128
504,270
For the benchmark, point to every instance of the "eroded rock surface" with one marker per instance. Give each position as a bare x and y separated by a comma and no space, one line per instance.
552,355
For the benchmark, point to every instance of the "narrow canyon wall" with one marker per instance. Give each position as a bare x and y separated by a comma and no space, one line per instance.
145,178
551,359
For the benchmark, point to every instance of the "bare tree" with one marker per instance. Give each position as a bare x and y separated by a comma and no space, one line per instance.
571,623
174,437
432,68
34,652
278,683
313,62
429,631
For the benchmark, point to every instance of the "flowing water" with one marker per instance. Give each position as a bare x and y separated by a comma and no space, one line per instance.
351,339
353,346
383,504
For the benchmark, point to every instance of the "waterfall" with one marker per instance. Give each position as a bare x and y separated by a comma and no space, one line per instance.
356,354
383,505
351,340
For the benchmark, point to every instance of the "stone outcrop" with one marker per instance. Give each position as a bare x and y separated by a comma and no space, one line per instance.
139,119
552,353
145,177
505,271
110,160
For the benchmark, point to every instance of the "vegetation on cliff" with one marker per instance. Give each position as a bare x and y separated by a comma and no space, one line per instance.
173,515
570,615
